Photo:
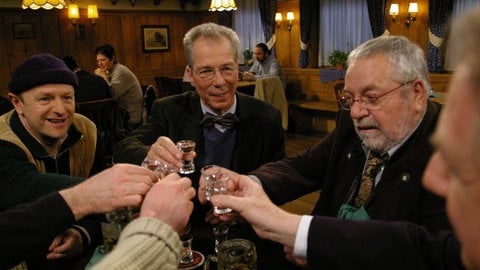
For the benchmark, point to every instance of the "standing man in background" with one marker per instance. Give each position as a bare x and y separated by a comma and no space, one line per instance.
123,83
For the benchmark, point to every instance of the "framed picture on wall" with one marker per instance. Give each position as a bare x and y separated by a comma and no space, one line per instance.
155,38
23,30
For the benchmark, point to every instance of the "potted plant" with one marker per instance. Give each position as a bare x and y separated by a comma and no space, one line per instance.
338,59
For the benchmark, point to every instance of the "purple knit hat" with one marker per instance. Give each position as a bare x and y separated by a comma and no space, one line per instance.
41,69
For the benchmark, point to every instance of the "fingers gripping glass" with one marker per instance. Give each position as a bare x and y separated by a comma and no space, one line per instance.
208,73
368,101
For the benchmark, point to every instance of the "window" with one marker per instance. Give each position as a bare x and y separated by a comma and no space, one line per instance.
344,24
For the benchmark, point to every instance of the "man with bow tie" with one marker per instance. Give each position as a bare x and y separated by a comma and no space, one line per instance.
230,129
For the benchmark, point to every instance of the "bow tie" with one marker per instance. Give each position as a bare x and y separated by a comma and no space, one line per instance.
228,120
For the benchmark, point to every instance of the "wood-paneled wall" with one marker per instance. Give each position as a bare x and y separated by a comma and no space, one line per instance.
121,27
55,34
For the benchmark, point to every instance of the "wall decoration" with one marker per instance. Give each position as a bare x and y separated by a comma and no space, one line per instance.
23,30
155,38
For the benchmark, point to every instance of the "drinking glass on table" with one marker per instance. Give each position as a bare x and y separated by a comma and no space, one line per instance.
187,147
186,256
220,231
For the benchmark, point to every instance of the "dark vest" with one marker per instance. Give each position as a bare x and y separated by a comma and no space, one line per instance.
219,146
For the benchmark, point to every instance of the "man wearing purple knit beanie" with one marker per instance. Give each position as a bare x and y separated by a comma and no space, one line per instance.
47,147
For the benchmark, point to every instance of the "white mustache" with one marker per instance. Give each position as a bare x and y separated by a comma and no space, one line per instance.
365,123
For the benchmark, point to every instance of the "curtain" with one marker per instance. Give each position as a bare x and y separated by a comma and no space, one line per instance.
308,11
459,7
378,16
246,21
267,14
439,11
344,24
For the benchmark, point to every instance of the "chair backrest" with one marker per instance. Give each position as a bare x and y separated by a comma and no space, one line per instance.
338,88
149,96
111,120
168,86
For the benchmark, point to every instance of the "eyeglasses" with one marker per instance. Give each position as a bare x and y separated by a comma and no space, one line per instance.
368,101
209,73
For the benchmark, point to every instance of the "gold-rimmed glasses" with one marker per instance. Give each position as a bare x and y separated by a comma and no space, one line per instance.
368,101
208,73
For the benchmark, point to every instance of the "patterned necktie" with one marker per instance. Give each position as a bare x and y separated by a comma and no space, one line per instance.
374,163
228,120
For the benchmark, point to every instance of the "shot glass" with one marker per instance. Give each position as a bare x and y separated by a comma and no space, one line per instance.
209,173
160,167
110,235
187,147
218,185
187,255
220,231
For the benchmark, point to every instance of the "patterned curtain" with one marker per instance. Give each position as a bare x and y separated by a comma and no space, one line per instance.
267,14
377,12
439,11
308,12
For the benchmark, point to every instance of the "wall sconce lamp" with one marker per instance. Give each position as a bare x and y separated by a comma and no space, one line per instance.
279,19
92,13
73,13
410,17
290,18
412,10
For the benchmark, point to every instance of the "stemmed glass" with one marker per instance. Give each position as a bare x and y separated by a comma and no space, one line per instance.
216,183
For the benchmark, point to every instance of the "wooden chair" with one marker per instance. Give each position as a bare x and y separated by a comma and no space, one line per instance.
111,121
149,96
338,88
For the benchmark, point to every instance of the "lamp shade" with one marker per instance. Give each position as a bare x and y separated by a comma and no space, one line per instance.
73,12
92,12
413,7
221,5
45,4
290,16
278,17
394,10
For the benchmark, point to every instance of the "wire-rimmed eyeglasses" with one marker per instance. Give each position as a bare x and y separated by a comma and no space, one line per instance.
368,101
208,73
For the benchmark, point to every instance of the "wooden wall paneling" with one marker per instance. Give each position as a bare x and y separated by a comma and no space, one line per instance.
287,46
4,53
